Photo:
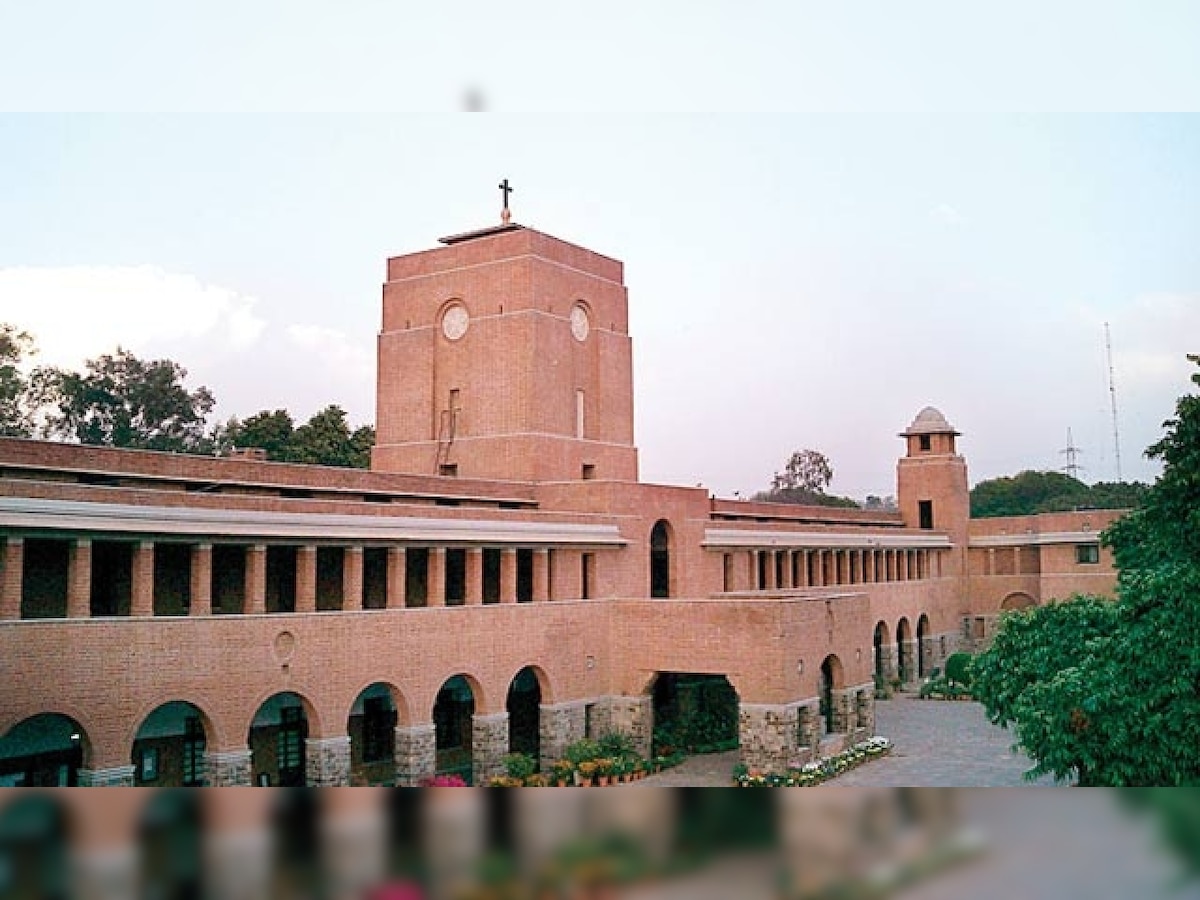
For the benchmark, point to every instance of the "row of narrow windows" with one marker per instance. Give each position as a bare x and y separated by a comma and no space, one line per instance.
790,569
60,581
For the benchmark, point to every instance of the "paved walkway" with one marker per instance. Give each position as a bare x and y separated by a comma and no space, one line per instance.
941,744
935,744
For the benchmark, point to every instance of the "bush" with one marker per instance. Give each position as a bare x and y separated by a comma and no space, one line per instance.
958,668
616,744
520,765
583,750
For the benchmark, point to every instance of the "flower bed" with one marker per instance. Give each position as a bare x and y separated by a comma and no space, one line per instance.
814,773
586,763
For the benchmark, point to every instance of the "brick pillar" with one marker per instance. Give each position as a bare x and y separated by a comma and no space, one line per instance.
327,761
843,566
474,577
508,576
416,754
397,576
784,562
568,583
633,716
11,582
489,746
306,579
865,711
228,768
541,575
845,711
201,580
559,726
352,579
888,660
436,589
141,598
79,579
908,661
114,776
256,579
809,727
767,734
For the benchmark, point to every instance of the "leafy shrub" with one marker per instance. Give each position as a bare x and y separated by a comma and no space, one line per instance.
616,744
583,750
520,765
958,668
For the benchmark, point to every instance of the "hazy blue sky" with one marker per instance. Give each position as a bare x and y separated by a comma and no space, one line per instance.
796,280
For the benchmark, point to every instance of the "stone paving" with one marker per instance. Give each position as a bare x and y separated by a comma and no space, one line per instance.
941,744
936,744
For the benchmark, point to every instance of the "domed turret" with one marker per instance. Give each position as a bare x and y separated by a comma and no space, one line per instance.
932,477
930,433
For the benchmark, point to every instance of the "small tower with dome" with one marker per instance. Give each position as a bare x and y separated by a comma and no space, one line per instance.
931,478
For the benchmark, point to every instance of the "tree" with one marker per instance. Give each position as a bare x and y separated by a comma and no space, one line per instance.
1110,694
805,470
1034,492
270,430
123,401
16,414
326,440
803,480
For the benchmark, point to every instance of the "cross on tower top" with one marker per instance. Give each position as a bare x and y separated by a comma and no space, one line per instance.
505,190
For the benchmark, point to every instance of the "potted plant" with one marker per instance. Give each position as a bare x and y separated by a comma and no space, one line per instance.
585,772
564,773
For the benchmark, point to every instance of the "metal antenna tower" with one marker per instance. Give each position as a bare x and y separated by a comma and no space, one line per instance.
1112,394
1072,468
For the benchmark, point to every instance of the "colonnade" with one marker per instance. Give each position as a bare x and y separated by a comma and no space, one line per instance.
782,570
82,577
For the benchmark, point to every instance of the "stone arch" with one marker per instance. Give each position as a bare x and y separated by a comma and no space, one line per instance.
454,710
399,700
904,650
34,847
377,709
922,646
277,736
523,705
44,750
167,748
545,685
831,678
690,710
881,641
1017,600
661,572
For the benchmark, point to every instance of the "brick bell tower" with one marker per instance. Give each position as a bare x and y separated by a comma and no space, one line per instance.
931,479
505,354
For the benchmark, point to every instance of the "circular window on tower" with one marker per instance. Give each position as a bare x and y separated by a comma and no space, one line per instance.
579,322
455,321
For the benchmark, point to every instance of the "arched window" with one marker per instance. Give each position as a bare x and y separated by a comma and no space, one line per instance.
660,560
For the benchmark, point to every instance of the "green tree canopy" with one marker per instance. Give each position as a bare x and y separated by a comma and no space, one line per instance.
123,401
16,413
270,430
1109,693
1036,492
326,439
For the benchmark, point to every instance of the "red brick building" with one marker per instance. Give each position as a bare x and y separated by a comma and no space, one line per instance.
499,579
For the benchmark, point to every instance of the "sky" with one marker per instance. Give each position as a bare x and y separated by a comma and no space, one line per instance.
805,277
